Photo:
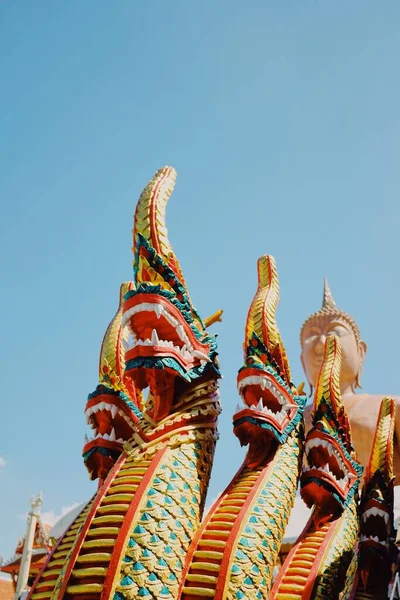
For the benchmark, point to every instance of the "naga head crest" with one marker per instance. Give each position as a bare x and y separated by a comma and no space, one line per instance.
332,475
376,506
111,410
169,347
272,407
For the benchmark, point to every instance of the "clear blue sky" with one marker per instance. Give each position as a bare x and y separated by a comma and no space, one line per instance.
282,120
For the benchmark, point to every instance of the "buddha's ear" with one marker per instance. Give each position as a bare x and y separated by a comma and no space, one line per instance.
362,349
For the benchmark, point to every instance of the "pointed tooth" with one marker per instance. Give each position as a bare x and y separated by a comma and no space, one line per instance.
98,435
260,404
105,436
113,411
112,435
200,354
154,338
158,310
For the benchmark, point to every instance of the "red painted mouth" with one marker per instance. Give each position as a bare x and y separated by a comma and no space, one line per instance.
265,399
159,331
112,422
326,462
375,527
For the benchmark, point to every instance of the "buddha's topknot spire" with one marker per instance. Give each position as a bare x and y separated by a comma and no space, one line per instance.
327,300
329,308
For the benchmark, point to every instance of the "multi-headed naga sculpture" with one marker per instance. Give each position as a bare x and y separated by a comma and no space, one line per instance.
131,539
154,415
376,513
317,564
234,552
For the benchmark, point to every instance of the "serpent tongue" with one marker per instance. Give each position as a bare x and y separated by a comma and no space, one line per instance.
162,387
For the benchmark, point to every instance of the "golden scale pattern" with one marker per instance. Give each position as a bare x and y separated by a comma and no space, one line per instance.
260,540
49,576
168,517
382,453
339,554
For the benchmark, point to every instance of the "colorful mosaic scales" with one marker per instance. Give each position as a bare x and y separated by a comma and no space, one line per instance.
317,564
234,551
154,417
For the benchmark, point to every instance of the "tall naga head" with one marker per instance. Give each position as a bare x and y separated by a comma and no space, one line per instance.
376,506
272,405
168,348
111,409
332,476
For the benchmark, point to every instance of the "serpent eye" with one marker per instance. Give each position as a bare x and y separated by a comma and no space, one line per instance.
376,494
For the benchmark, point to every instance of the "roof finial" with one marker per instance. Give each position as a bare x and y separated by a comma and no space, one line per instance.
327,300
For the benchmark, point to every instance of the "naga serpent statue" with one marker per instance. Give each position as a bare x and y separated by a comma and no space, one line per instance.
234,552
316,566
131,539
154,419
376,513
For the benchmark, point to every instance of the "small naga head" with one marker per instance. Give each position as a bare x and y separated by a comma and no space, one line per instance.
376,506
168,348
111,409
272,405
332,476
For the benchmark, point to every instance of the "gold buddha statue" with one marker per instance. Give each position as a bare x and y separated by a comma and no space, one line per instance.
362,408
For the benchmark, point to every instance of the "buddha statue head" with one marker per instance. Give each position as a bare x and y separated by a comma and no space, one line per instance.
327,321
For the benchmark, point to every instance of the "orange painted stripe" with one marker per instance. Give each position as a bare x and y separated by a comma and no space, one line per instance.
121,541
78,544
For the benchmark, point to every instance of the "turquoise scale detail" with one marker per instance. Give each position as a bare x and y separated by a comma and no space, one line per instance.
163,529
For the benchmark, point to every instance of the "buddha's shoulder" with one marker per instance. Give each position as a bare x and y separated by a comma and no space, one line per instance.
367,400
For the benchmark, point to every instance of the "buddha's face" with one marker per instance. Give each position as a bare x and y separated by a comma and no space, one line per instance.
312,346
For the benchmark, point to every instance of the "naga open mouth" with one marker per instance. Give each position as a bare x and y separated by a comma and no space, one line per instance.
158,330
265,399
161,347
375,525
112,422
327,468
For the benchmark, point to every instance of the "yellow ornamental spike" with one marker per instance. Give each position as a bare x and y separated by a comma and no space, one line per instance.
261,318
111,355
382,448
328,386
149,220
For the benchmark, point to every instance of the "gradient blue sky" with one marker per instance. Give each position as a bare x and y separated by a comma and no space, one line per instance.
282,120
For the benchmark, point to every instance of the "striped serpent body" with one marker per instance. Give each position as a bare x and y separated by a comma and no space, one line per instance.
234,552
317,564
131,539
